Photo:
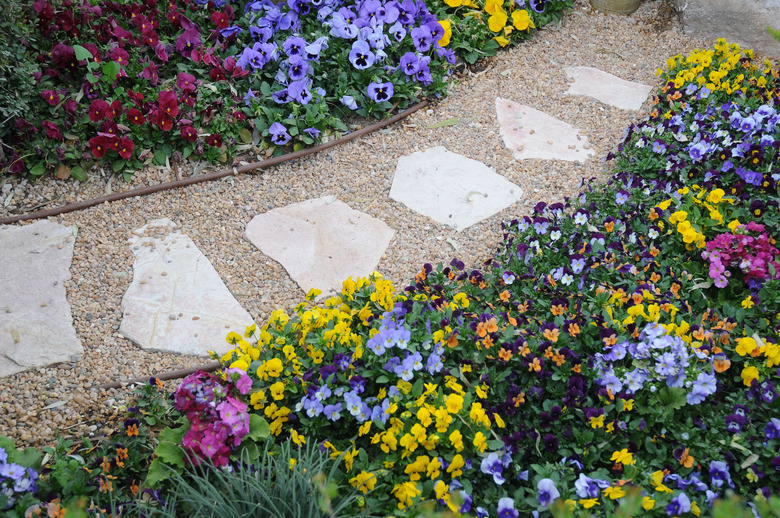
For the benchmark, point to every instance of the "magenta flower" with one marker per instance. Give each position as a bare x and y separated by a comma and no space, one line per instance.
186,82
188,41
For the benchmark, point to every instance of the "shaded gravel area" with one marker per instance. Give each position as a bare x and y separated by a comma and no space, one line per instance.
359,173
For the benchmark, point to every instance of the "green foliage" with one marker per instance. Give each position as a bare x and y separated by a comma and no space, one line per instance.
287,482
17,85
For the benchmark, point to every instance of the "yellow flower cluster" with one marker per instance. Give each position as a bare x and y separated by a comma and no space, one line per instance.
755,347
727,68
502,19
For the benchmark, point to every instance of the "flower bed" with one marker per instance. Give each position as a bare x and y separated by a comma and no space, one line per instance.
617,356
141,83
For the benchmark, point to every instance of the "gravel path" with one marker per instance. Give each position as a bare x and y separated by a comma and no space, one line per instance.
359,173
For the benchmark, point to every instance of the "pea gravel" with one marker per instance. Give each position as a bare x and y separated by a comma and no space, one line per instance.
359,173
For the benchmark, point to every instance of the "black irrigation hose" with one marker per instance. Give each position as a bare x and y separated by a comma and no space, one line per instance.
142,191
170,375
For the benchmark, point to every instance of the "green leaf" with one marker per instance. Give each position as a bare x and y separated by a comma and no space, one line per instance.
82,54
117,165
417,388
248,451
30,458
38,170
158,472
382,380
110,71
258,428
671,398
78,173
452,121
245,135
92,79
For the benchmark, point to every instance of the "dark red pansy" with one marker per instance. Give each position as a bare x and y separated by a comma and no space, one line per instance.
150,38
189,133
169,103
135,116
165,121
98,110
220,20
120,56
51,97
52,131
114,110
109,127
125,147
98,146
214,140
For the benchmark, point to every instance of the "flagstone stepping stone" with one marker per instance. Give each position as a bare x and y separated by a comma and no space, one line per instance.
177,301
451,189
530,133
597,84
36,326
320,242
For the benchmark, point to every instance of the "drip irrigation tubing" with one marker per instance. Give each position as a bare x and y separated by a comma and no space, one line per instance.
170,375
142,191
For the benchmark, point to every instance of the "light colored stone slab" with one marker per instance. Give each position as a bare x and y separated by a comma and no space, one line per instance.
36,326
451,189
738,21
530,133
177,301
321,242
597,84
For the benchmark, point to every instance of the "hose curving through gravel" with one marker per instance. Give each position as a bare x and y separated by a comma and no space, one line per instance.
254,166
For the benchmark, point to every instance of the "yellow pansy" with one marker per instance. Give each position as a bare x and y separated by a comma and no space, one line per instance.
521,20
749,374
614,492
447,26
455,466
498,20
480,442
363,481
277,390
405,492
454,403
590,502
623,456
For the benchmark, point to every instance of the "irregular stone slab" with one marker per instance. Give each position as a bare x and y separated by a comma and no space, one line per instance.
738,21
597,84
530,133
177,301
451,189
321,242
36,326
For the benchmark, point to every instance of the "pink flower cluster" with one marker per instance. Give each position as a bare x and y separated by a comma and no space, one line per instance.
218,421
742,252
